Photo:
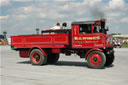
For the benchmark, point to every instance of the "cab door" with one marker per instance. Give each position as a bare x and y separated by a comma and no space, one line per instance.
83,36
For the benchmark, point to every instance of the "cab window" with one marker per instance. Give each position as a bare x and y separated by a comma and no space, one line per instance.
96,29
85,28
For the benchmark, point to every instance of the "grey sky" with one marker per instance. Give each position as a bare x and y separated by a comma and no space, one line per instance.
24,16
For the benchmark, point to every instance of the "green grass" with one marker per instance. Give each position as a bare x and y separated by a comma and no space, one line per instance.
124,46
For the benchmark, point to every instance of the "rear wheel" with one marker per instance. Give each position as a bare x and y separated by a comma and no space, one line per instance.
37,57
96,59
52,58
109,59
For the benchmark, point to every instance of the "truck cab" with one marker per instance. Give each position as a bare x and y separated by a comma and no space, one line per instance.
89,34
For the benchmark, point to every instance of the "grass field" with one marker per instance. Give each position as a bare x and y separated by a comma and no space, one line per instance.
124,46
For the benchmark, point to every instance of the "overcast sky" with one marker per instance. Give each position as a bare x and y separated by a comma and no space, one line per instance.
19,17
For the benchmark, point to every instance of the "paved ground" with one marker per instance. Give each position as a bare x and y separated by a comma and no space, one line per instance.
70,70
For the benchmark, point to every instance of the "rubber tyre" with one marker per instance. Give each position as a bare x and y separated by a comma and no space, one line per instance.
52,58
42,59
101,60
109,59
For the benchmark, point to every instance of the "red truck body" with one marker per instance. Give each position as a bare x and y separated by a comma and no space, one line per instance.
43,41
72,41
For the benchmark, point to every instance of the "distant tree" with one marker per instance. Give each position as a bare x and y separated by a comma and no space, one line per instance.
116,33
1,36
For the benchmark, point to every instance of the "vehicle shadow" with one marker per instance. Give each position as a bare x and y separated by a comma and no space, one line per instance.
79,64
68,63
71,63
62,63
110,66
24,62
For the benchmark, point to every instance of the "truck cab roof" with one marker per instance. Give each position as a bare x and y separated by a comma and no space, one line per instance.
83,22
96,22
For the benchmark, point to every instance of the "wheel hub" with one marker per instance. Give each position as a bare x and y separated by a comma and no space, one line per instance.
95,59
37,57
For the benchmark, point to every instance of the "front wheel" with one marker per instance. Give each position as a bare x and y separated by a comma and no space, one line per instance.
37,57
96,59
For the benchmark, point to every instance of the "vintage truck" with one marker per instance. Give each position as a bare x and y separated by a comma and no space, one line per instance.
85,39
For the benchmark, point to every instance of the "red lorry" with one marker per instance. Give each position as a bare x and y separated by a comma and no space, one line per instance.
85,38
